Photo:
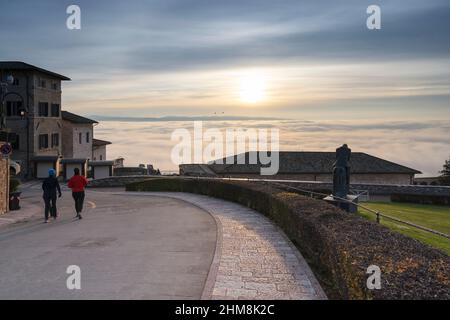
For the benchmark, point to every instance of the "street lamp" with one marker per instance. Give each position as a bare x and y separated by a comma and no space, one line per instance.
25,115
10,79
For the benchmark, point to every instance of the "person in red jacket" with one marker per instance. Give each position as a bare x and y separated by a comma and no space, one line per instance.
77,183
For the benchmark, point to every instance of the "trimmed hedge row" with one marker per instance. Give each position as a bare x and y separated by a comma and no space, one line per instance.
338,246
421,199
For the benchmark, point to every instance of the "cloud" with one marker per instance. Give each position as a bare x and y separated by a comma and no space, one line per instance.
422,145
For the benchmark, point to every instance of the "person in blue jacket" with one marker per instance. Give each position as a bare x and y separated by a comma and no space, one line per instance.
50,186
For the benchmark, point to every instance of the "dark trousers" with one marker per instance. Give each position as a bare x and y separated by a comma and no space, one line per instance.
79,200
50,206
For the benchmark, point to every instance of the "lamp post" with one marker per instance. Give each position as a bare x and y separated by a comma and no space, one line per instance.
24,115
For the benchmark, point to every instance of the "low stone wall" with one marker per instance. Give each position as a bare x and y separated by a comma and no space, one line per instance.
338,246
4,185
130,171
111,182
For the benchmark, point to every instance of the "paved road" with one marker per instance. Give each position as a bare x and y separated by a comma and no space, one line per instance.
254,259
127,247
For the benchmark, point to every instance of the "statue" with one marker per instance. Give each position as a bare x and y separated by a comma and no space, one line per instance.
341,172
341,182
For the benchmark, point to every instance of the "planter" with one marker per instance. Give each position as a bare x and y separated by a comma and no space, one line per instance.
14,201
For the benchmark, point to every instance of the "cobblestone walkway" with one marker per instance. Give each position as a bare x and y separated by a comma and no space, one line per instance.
254,259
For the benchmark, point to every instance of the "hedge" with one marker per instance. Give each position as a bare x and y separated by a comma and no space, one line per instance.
338,246
421,199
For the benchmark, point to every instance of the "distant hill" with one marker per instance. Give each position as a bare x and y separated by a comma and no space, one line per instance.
177,118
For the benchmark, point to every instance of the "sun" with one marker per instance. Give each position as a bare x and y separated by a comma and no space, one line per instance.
252,87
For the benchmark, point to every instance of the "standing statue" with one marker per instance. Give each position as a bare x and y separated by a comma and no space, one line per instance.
341,172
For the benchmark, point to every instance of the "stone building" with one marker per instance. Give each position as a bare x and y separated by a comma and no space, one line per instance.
310,166
81,150
78,133
44,136
99,149
33,108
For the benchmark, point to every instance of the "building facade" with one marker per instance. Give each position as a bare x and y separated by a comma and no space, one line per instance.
78,133
99,149
33,109
44,136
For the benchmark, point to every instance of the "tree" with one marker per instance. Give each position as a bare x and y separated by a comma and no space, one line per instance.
445,173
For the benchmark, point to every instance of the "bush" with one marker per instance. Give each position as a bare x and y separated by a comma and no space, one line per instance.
13,185
338,246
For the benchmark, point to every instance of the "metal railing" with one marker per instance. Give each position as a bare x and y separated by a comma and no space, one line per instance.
311,193
377,213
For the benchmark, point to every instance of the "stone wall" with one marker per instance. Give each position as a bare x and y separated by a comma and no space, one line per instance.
4,185
130,171
359,178
111,182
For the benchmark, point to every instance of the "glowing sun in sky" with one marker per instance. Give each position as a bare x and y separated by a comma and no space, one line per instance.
252,87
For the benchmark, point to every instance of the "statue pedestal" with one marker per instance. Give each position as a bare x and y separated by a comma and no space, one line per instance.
349,206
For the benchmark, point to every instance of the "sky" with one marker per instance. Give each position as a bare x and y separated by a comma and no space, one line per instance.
286,59
312,67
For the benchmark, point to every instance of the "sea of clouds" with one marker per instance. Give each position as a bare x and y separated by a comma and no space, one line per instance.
422,145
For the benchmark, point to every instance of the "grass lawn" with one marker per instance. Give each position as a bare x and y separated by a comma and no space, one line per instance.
430,216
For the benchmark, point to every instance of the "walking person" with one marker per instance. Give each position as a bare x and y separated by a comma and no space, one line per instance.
77,183
50,185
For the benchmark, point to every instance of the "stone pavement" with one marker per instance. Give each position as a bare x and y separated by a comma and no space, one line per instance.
27,211
254,259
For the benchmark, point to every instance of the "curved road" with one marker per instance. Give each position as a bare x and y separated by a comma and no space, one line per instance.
127,247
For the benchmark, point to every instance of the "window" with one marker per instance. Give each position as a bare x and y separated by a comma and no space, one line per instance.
54,86
13,108
43,141
87,137
16,143
42,83
55,110
80,138
43,109
101,157
16,82
55,140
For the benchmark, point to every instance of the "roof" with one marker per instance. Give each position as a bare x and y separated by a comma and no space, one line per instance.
101,163
99,143
45,158
19,65
73,160
315,163
75,118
